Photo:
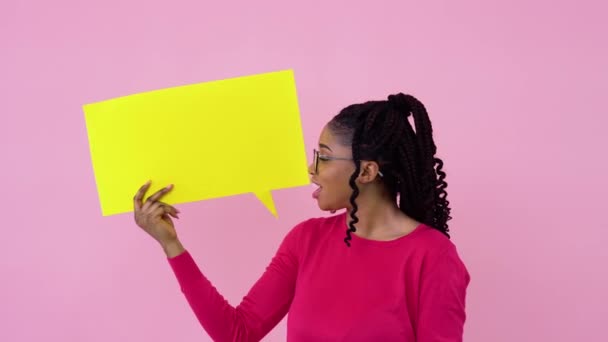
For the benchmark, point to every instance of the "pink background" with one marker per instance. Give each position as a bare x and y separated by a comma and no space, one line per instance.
516,95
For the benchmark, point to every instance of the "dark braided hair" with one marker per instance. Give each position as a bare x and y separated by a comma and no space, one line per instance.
381,131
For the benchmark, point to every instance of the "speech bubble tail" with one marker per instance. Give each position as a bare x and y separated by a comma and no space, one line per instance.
266,198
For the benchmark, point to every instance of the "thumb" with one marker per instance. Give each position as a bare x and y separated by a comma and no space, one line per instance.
167,218
170,210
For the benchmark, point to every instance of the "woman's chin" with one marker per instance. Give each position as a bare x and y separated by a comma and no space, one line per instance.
331,210
323,207
327,207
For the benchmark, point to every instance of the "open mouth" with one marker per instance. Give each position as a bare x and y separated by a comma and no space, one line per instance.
316,193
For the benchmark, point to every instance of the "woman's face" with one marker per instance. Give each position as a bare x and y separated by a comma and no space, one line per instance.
332,176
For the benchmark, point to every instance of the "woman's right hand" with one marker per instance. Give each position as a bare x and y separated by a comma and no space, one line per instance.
154,217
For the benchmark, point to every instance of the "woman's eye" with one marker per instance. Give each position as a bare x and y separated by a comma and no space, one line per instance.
323,158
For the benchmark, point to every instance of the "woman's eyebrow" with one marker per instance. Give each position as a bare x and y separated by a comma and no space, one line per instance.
324,146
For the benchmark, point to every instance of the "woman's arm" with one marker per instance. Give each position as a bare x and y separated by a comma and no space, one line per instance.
261,309
442,299
264,306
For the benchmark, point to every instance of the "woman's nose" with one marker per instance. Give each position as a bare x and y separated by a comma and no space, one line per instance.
311,168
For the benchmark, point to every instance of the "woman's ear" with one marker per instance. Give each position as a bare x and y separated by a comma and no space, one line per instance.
369,171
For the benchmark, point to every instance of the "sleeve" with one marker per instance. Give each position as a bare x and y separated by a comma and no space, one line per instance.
266,303
442,299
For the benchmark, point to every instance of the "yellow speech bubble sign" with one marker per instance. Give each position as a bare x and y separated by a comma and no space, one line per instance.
211,140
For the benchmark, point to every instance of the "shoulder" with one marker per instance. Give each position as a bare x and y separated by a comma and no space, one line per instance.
438,250
309,232
315,226
433,241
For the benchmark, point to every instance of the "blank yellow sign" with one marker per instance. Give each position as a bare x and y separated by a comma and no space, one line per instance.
213,139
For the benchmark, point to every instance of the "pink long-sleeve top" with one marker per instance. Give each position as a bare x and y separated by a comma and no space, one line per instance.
409,289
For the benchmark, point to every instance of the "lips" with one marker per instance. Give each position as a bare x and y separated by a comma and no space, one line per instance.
316,193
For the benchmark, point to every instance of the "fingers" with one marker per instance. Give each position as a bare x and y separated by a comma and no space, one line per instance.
137,200
152,207
160,208
171,211
160,211
168,219
156,196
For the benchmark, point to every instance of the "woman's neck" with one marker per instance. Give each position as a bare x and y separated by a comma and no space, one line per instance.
381,219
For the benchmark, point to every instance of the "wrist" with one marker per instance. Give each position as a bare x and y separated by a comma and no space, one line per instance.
173,248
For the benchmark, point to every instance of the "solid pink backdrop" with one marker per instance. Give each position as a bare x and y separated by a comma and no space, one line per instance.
515,91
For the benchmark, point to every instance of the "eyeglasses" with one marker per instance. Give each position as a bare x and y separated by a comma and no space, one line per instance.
322,157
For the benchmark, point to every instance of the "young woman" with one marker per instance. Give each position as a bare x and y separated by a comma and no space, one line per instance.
383,270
